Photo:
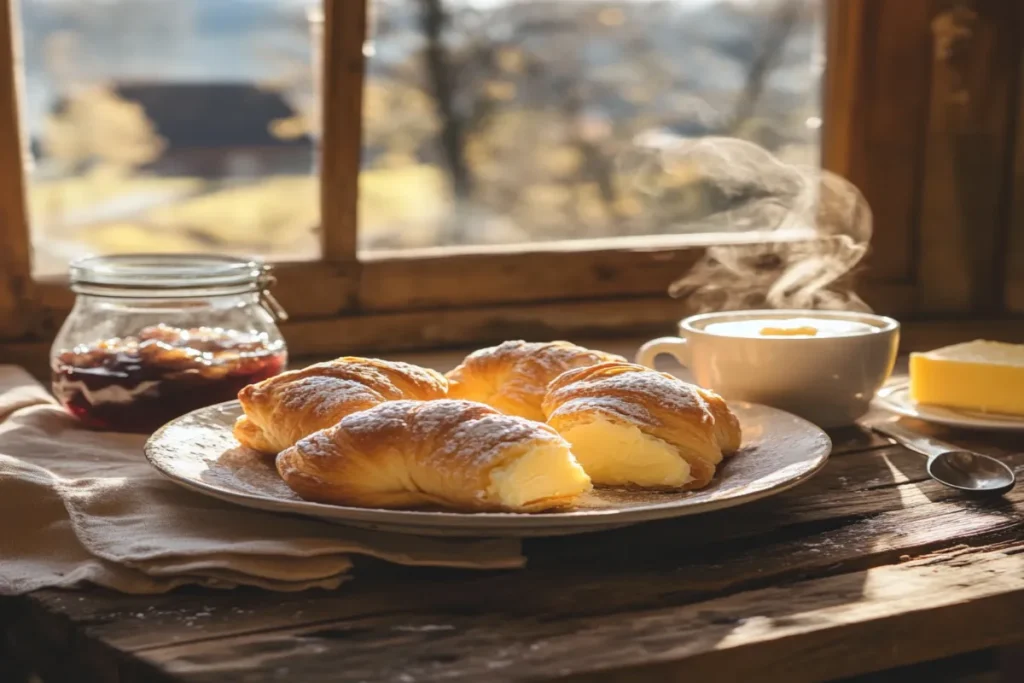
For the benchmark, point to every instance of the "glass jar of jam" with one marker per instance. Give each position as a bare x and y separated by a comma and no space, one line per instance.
152,337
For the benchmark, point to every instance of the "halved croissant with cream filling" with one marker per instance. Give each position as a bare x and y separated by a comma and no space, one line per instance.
630,425
283,409
455,454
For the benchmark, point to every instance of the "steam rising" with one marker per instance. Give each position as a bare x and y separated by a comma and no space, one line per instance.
812,227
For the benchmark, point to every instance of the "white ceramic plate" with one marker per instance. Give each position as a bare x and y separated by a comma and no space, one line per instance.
896,398
779,451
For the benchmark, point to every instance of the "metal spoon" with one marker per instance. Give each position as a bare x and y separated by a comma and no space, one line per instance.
952,466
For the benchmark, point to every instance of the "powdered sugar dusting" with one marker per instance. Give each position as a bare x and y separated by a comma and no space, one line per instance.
326,392
610,405
388,380
521,371
625,390
419,451
471,434
481,439
323,395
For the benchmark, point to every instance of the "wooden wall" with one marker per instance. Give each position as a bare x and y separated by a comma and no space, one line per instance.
931,118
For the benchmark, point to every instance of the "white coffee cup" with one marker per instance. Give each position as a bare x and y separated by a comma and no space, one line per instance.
828,378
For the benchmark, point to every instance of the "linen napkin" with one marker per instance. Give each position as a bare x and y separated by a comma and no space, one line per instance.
80,506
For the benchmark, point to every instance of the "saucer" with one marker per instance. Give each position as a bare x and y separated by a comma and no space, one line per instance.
896,398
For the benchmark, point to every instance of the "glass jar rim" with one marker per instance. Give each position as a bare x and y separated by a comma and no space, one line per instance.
166,272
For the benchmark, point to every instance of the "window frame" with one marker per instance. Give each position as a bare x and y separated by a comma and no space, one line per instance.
424,298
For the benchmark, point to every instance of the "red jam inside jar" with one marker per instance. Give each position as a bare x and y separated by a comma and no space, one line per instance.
138,383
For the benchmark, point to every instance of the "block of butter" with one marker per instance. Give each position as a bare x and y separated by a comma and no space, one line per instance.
985,376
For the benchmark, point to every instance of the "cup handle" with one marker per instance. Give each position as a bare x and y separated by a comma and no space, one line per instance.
673,346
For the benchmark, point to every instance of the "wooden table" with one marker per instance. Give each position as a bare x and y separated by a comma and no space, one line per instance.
867,567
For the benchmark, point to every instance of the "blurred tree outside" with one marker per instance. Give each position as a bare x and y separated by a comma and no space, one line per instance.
103,128
532,106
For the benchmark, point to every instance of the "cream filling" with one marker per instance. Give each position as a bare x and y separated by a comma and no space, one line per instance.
542,473
615,454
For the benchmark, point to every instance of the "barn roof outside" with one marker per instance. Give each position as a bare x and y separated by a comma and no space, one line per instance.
209,115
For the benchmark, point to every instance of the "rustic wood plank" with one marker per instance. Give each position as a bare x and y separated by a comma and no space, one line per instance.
969,150
974,667
12,662
1011,662
16,316
888,604
843,105
376,333
59,654
400,283
852,487
808,631
647,316
1013,273
877,96
483,325
344,24
1014,283
396,283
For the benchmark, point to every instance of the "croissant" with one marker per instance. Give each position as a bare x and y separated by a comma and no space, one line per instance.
283,409
455,454
513,376
630,425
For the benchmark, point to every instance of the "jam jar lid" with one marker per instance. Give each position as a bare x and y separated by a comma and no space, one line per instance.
164,271
173,275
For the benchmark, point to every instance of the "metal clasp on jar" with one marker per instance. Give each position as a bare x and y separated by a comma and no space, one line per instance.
265,282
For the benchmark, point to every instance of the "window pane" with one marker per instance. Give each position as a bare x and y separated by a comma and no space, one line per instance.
171,126
511,121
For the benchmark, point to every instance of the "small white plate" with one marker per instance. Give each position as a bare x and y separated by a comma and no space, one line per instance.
779,451
896,398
